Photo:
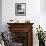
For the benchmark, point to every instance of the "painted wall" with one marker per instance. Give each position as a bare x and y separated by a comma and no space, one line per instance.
33,13
43,6
0,15
43,14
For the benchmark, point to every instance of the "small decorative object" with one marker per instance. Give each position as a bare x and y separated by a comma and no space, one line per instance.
27,21
20,9
41,36
13,21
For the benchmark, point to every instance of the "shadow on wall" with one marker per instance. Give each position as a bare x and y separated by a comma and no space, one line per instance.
0,15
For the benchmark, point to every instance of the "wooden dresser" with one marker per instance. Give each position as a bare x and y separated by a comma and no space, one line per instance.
22,33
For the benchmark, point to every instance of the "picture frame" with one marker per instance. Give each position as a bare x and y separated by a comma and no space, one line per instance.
20,9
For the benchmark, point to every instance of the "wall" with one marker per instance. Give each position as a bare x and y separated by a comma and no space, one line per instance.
43,14
33,13
43,6
0,15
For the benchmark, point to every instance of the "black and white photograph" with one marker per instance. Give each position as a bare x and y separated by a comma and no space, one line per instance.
20,9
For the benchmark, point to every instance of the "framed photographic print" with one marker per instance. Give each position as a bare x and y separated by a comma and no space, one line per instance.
20,9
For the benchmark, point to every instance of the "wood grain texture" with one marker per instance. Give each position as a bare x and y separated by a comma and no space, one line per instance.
23,27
